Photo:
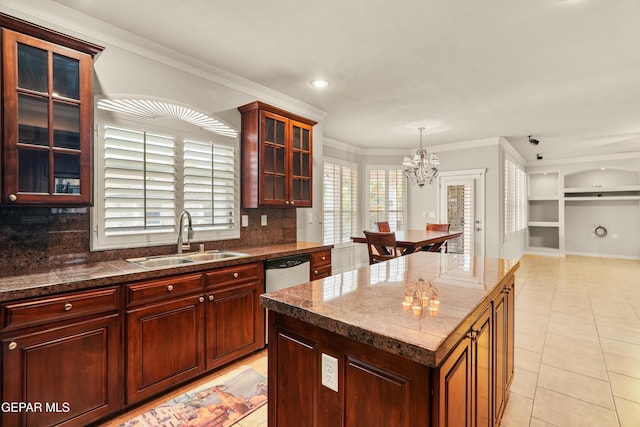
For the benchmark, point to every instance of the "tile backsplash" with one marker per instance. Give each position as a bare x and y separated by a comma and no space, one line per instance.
35,240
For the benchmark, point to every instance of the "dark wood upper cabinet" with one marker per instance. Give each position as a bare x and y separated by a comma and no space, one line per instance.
276,157
47,116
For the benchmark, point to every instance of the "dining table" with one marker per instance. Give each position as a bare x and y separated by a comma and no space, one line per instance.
410,241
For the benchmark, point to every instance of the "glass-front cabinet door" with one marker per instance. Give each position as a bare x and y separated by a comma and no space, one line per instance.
274,160
300,164
47,122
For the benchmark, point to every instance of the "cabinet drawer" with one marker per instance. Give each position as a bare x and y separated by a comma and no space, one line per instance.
21,314
320,259
163,288
321,272
235,274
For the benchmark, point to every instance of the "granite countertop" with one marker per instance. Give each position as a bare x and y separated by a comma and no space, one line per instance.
94,275
367,304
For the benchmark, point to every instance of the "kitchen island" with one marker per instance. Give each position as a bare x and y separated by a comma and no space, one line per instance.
425,339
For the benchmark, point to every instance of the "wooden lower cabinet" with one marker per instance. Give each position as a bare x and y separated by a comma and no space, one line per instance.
504,345
234,323
165,345
464,385
70,371
375,388
320,264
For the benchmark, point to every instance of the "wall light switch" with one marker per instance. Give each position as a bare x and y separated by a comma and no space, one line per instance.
329,372
263,220
310,218
432,214
245,220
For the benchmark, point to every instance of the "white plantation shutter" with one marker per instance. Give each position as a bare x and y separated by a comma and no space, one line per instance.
209,184
139,187
515,198
339,197
388,198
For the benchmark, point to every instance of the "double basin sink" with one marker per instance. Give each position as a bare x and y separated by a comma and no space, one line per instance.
187,258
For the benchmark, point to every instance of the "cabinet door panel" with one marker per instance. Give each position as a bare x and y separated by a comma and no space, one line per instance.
455,388
165,345
231,323
296,362
74,371
501,366
366,386
483,372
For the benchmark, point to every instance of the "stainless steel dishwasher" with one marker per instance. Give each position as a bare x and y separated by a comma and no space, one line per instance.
281,273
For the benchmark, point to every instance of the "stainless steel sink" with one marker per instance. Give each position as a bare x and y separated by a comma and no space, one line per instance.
160,261
215,255
176,260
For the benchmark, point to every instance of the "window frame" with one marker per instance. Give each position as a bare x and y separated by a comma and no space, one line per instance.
180,131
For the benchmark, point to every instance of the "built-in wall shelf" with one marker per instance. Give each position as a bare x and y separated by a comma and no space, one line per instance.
626,192
555,224
542,198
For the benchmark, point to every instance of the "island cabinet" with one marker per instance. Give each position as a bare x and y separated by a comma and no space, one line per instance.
62,355
464,380
348,352
47,116
276,157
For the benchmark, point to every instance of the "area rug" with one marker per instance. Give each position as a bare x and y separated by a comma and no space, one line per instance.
220,402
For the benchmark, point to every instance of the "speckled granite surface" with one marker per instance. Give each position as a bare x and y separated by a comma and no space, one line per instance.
367,304
97,274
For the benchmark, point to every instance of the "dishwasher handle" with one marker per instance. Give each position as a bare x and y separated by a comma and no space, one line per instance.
286,262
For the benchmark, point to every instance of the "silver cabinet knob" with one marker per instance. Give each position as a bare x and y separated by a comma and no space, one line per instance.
293,203
315,272
210,297
13,345
286,202
201,299
68,306
170,288
235,275
12,197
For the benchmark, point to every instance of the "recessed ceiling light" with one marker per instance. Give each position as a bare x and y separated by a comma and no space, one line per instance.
319,83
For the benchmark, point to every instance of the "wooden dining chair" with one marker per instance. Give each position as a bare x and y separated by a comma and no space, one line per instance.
438,227
381,246
383,226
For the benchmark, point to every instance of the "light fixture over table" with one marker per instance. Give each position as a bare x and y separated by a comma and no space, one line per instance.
423,168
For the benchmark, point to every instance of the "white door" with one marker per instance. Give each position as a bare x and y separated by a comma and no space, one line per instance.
462,206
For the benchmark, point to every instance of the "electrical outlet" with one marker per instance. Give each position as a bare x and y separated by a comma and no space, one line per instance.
329,372
263,220
245,220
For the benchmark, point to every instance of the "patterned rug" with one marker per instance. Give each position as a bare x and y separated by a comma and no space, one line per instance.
222,401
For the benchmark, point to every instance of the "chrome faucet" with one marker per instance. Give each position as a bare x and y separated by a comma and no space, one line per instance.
182,246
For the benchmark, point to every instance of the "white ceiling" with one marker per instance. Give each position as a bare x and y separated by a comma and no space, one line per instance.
565,71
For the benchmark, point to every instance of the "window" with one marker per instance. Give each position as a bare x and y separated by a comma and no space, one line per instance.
387,198
339,201
515,198
145,178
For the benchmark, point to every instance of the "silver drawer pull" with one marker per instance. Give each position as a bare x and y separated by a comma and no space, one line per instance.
315,272
68,306
13,345
210,297
324,258
12,197
170,288
235,275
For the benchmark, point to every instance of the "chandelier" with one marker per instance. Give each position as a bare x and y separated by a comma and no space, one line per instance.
423,168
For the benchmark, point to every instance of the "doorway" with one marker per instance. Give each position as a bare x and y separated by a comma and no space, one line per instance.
462,206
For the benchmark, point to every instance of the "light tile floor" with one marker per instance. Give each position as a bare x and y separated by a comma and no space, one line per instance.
577,355
577,339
